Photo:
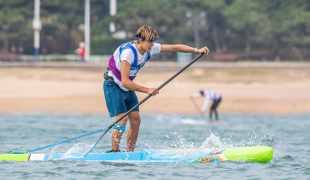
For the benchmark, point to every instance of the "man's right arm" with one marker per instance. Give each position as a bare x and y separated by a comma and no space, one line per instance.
127,83
205,105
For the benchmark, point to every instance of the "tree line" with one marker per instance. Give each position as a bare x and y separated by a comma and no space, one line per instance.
252,29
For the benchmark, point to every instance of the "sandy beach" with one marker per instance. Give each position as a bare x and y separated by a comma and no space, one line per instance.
75,88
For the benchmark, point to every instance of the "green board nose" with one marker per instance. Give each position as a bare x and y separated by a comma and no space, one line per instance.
260,154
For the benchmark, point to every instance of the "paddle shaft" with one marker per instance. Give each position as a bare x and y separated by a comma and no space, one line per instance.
142,101
196,106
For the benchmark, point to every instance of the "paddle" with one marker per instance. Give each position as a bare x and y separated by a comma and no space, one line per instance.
146,98
196,106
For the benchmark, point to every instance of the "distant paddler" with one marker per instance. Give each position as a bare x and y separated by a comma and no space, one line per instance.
208,96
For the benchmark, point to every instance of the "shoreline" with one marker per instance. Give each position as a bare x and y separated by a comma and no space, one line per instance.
250,89
161,65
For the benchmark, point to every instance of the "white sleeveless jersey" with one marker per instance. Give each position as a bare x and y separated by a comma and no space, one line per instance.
128,55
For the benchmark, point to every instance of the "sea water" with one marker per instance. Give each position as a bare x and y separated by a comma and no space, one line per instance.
288,135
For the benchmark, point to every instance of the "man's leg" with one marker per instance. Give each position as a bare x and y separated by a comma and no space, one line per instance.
116,134
133,131
216,104
216,115
210,115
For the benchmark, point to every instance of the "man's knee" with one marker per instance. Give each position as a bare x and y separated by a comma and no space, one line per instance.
134,116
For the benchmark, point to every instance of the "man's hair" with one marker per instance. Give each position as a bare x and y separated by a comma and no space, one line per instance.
146,33
201,92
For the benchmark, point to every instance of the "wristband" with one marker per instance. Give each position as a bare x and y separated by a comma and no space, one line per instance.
196,49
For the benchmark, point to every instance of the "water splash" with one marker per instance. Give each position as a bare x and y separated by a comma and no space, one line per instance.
53,151
212,142
77,150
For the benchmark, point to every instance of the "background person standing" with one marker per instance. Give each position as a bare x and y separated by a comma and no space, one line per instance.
80,52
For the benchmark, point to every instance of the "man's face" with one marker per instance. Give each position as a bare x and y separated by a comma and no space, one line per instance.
147,45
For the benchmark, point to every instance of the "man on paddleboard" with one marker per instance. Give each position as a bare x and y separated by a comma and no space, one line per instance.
209,96
119,89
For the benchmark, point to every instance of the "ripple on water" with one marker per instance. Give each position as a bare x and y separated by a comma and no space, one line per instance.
288,138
